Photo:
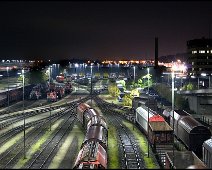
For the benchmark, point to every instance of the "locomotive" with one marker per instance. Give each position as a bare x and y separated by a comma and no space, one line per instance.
60,78
93,153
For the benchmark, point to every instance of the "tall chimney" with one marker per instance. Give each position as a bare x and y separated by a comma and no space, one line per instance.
156,52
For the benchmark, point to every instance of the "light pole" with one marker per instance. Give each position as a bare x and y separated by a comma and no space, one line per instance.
8,90
24,116
50,71
134,73
91,83
173,111
148,109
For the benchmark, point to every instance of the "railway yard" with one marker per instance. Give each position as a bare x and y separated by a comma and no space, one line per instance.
49,135
54,142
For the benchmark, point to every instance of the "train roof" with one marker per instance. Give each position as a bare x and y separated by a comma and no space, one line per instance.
191,125
97,120
184,159
178,114
83,106
90,113
156,118
144,112
160,126
208,145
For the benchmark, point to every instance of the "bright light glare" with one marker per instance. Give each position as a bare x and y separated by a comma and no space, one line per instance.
203,74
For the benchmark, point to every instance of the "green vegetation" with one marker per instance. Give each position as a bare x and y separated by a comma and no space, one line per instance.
142,82
127,100
189,86
149,162
113,90
113,152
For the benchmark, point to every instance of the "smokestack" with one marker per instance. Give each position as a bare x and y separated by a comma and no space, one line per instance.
156,52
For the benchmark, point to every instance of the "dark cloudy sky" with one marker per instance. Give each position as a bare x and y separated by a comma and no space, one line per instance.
100,29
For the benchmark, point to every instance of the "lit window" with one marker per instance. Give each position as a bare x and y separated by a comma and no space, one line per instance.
201,51
194,52
211,51
207,51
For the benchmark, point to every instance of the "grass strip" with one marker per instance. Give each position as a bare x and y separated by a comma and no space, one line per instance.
76,132
36,146
113,152
12,141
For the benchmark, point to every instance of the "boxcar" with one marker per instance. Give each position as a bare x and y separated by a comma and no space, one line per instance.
207,153
193,134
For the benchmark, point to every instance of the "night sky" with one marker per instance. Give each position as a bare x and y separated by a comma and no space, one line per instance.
100,29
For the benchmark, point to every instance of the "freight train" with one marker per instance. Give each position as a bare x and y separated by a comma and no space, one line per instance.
189,131
15,95
93,153
186,129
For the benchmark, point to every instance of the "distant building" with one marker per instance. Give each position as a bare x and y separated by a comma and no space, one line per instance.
199,56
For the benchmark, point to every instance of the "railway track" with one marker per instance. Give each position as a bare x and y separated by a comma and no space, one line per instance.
131,156
46,153
8,158
11,155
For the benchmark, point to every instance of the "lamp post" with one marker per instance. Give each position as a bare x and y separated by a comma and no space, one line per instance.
24,116
8,90
50,116
91,83
50,72
148,109
134,73
173,111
